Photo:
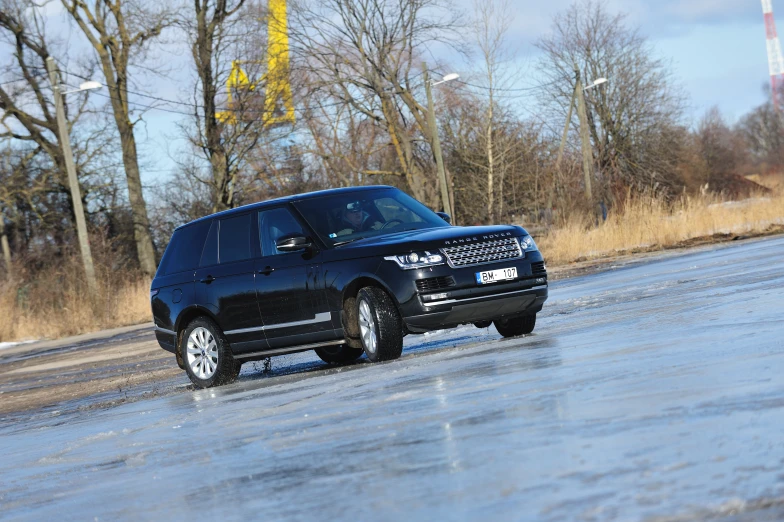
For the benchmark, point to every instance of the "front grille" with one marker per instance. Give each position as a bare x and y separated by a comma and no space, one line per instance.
484,252
435,283
538,268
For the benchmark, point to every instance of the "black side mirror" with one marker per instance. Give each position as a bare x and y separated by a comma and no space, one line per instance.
446,217
293,243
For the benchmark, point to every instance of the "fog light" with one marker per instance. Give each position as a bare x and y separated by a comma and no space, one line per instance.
434,297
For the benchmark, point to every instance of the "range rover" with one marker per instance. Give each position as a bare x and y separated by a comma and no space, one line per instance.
344,272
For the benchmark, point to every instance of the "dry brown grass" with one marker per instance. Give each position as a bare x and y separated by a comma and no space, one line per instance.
647,223
56,303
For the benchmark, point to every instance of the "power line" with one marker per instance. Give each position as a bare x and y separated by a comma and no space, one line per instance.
499,89
198,106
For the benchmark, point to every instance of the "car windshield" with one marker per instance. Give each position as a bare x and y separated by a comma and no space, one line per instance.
345,217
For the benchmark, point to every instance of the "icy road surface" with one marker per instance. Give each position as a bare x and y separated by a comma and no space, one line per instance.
653,391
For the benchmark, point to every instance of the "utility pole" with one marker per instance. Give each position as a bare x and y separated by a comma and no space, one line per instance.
585,138
76,195
431,122
566,131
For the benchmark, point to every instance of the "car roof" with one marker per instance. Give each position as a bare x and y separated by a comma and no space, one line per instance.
286,199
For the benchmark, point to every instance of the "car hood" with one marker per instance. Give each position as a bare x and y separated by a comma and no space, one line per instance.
426,239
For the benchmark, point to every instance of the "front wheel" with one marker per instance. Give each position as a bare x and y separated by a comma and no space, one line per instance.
339,354
380,326
206,354
514,326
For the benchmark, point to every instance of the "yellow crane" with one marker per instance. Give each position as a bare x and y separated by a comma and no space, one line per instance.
278,103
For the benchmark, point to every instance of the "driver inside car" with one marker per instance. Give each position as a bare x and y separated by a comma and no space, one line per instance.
354,220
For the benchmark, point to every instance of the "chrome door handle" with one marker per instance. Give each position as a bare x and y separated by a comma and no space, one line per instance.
267,270
209,279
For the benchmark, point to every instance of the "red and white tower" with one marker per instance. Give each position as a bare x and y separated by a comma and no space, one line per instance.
775,58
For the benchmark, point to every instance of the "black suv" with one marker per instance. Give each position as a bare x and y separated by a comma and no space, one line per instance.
344,272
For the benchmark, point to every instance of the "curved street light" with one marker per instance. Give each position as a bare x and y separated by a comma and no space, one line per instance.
596,83
84,86
447,78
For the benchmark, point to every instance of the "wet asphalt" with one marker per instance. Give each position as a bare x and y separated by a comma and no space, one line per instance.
649,391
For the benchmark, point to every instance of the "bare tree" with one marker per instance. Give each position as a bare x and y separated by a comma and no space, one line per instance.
491,26
121,32
208,33
627,116
364,53
763,129
28,113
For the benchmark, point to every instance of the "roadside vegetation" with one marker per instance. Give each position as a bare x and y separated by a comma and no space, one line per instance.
55,303
647,224
512,145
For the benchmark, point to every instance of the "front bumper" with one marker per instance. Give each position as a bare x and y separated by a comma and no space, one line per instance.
475,309
466,301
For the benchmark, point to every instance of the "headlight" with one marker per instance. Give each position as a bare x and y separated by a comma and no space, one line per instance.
527,244
417,260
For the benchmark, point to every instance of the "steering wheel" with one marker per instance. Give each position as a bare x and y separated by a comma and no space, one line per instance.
390,221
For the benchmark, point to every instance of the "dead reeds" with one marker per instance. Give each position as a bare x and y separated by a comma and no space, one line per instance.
54,301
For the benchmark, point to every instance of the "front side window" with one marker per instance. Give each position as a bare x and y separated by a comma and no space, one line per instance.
348,216
234,239
275,224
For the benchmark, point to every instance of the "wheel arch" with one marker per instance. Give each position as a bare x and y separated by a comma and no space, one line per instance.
348,314
352,289
189,314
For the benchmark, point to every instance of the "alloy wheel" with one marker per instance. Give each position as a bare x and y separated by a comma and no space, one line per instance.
367,327
202,353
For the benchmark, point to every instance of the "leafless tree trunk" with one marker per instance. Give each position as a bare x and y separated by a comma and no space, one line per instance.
119,31
207,40
6,247
492,22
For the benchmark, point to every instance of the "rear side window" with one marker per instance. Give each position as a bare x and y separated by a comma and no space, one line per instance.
210,254
184,249
234,239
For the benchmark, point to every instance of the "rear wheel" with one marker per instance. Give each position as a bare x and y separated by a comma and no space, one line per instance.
380,326
339,354
206,354
514,326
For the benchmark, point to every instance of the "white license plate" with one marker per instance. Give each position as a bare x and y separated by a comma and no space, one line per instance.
494,276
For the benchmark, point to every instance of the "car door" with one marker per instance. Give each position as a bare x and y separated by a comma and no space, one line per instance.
289,285
225,282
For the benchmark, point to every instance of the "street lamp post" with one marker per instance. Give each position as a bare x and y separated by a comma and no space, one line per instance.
73,181
585,139
431,121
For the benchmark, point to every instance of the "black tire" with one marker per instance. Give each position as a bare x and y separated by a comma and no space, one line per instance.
378,311
339,354
514,326
226,368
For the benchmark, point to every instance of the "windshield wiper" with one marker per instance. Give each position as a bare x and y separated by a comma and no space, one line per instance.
347,241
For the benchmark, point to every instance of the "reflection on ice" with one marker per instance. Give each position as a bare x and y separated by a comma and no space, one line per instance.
643,393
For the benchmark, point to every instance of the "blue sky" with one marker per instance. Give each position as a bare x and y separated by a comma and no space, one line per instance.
716,47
